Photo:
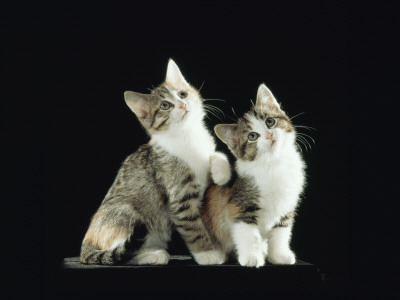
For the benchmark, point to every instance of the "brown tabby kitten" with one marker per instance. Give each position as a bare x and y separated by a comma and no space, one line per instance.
160,186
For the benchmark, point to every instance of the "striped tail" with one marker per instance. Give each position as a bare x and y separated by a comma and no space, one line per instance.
92,255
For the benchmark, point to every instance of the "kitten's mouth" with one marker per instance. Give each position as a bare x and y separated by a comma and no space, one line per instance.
185,113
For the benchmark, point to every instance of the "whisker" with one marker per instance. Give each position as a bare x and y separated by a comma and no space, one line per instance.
213,113
306,127
297,115
209,99
201,85
305,142
234,113
304,134
298,146
302,142
215,108
252,103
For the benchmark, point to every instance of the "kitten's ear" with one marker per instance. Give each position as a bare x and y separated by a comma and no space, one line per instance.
227,134
265,99
138,103
174,76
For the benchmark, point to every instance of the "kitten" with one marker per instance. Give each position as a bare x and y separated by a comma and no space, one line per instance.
160,186
253,216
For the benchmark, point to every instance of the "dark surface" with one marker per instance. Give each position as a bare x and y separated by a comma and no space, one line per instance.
183,276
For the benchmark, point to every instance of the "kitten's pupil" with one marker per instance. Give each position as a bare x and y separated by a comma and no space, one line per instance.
270,122
165,105
182,94
253,136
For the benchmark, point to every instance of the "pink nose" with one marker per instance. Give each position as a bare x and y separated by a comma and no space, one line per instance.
269,136
182,105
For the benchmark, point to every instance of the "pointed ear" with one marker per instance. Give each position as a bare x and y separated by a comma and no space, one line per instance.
174,76
138,103
227,134
265,99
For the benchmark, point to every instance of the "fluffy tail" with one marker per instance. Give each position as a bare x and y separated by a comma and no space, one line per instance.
108,235
92,255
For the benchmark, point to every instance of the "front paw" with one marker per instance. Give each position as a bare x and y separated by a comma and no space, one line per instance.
212,257
254,259
282,258
151,257
220,169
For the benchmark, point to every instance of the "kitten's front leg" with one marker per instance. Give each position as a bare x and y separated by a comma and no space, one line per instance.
249,244
220,168
187,220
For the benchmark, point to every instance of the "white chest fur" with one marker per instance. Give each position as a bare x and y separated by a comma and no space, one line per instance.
193,146
280,181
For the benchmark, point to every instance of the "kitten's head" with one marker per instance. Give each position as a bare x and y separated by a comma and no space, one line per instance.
265,129
172,105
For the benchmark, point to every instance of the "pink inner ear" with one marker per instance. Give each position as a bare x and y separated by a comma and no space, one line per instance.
235,141
143,113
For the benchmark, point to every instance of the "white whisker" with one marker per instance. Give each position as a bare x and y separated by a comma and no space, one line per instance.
201,86
306,135
297,115
306,127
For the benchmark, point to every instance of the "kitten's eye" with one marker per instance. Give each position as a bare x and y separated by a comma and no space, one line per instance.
182,94
270,122
165,105
253,136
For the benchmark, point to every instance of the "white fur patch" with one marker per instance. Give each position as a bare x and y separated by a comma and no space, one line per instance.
212,257
151,257
249,244
278,246
220,168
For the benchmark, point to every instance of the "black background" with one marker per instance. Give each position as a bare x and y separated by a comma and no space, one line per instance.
68,128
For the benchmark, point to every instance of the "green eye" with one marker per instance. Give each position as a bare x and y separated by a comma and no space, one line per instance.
165,105
270,122
253,136
182,94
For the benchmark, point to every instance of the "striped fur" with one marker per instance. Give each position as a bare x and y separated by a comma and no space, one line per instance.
161,185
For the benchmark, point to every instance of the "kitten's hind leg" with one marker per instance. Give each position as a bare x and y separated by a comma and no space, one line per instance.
278,246
153,251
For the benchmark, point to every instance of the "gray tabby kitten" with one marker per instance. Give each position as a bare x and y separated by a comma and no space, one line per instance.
161,184
253,217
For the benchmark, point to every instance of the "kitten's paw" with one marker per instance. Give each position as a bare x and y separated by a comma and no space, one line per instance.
220,169
255,259
151,257
282,258
212,257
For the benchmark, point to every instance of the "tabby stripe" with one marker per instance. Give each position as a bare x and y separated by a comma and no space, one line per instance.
189,196
100,257
188,179
154,117
183,208
186,228
197,237
247,219
280,224
251,208
162,123
90,256
243,147
189,218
